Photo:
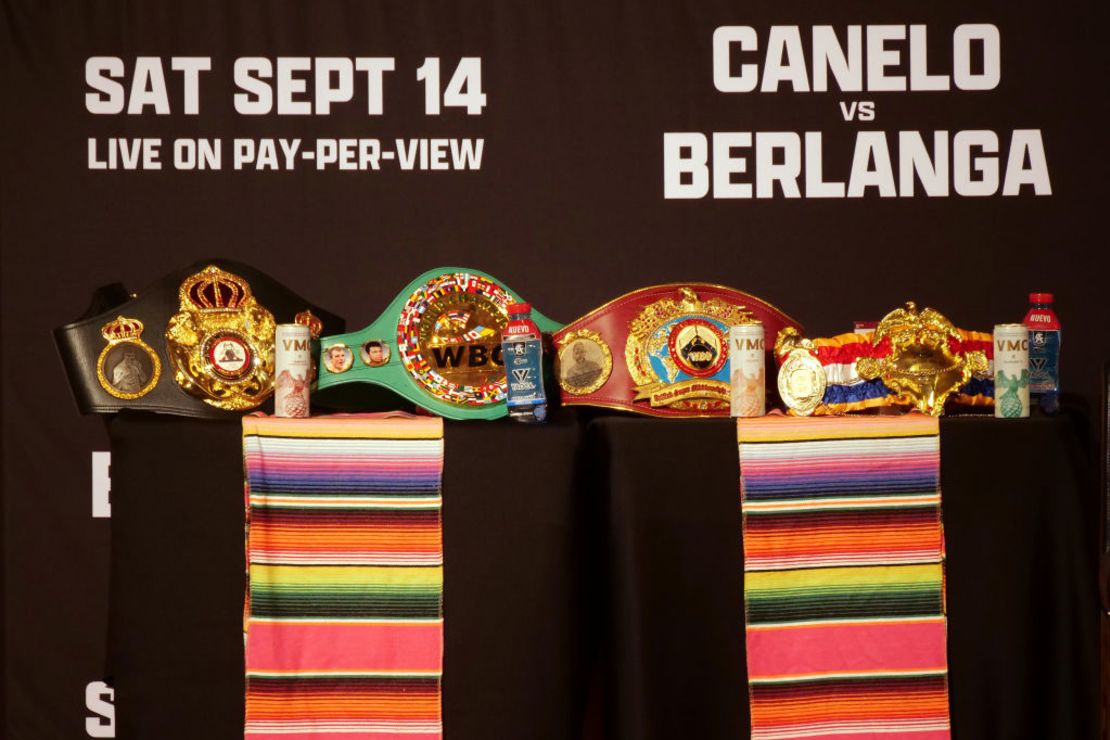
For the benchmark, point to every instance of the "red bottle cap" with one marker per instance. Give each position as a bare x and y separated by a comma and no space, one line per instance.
515,308
1040,298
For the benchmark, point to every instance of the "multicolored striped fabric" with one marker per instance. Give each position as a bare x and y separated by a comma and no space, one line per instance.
344,611
844,577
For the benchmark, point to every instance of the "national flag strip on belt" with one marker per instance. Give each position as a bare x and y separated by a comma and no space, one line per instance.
344,609
844,577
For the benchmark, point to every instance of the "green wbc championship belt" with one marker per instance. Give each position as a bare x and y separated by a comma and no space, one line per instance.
438,345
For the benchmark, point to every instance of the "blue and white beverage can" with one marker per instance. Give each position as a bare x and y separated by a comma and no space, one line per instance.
1011,371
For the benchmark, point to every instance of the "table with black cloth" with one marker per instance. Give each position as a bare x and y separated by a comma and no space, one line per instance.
606,550
1020,520
514,579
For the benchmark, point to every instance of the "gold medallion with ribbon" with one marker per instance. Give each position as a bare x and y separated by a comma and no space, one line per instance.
221,341
802,381
677,351
127,367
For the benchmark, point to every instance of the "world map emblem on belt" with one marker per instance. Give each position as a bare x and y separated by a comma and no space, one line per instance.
677,354
221,341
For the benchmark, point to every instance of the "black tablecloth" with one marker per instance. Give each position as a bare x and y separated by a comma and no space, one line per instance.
514,580
1020,516
626,526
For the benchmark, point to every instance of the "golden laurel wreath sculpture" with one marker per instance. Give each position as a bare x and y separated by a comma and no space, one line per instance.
924,364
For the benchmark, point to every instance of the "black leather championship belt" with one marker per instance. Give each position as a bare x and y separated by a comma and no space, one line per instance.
199,342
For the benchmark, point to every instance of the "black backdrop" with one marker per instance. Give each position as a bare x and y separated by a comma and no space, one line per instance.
567,208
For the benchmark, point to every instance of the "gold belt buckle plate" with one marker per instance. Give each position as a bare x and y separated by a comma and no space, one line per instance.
221,341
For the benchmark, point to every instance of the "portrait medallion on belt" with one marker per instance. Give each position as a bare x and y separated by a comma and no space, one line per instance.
127,367
583,362
338,358
677,352
221,341
374,353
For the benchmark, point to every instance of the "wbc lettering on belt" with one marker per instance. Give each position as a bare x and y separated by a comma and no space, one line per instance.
467,355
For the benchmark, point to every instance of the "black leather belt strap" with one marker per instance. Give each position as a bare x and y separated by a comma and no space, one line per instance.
81,342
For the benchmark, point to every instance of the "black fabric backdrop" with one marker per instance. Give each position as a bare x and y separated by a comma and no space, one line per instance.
567,208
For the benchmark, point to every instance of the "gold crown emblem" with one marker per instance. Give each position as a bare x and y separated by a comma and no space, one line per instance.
122,328
221,341
309,319
213,289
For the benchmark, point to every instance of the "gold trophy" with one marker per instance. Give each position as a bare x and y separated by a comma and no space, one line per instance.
924,365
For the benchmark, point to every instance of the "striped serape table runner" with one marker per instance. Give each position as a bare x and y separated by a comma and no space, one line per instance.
844,577
344,617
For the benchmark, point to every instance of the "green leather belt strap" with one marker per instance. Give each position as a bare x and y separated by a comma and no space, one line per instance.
438,345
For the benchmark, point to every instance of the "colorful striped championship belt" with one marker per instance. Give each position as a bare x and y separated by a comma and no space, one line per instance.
344,610
844,577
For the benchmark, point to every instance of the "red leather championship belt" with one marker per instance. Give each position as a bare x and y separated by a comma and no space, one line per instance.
659,351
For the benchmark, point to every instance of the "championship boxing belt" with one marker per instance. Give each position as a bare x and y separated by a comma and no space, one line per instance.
912,359
199,342
437,345
672,347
